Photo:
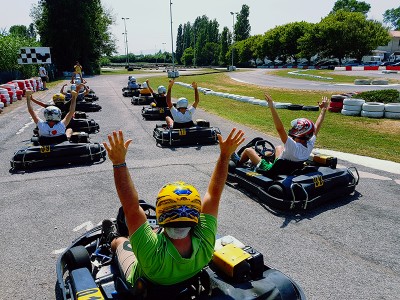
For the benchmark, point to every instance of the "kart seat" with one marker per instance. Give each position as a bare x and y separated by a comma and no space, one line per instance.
47,140
144,289
282,167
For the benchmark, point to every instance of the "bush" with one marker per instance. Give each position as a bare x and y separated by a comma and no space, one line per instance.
385,96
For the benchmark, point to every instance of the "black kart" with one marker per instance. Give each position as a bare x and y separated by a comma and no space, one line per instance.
50,152
200,133
155,113
88,270
296,186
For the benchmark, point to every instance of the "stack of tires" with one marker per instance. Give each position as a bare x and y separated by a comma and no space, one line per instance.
392,111
352,106
336,104
373,110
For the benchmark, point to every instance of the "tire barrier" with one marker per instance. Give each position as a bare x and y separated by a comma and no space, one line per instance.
373,106
392,107
372,114
379,82
392,115
362,82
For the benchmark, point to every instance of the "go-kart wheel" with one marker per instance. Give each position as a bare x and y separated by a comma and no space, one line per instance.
78,257
267,153
277,191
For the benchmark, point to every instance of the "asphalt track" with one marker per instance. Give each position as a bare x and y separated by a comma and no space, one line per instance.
344,250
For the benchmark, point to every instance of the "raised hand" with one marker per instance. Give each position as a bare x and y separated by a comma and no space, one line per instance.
118,147
230,144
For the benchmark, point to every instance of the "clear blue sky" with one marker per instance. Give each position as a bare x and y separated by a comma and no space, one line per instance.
148,26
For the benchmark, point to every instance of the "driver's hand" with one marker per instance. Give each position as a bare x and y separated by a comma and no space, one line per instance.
324,103
118,147
231,143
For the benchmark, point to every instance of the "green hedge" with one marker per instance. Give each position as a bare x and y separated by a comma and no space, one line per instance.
385,96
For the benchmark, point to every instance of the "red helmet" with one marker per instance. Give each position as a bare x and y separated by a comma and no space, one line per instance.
302,128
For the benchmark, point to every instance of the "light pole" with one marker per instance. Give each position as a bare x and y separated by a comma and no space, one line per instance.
172,74
164,52
233,30
126,42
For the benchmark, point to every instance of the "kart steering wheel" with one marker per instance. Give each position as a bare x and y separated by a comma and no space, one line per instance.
150,212
263,148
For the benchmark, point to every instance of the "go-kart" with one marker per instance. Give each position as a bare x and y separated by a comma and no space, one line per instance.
155,113
49,152
88,270
131,91
144,97
81,123
201,133
81,105
289,185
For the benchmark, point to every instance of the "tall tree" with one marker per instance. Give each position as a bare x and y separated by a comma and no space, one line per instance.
242,26
392,17
20,30
225,42
81,32
179,44
351,6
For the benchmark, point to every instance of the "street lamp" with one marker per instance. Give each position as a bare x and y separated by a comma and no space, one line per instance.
126,42
233,29
164,52
172,74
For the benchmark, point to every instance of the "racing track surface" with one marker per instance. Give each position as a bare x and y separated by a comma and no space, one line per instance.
263,77
346,250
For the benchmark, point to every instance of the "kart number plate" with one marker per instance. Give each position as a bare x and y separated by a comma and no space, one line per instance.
252,174
318,181
90,294
45,149
161,110
182,131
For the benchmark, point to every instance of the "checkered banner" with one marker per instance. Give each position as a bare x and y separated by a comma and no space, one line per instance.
34,55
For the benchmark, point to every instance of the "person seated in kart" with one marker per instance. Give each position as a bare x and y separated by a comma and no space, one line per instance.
144,89
132,84
160,98
82,90
182,115
186,245
53,127
298,143
77,71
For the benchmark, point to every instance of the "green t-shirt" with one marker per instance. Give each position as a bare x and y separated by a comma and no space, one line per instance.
160,262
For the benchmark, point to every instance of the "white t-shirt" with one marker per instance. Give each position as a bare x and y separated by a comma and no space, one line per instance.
183,118
42,72
45,130
297,152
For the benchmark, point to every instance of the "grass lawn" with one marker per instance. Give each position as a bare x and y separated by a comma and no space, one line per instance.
378,138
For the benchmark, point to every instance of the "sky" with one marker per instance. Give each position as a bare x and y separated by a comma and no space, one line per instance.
149,25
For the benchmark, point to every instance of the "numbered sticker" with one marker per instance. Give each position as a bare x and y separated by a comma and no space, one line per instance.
182,131
253,174
161,110
45,149
90,294
318,181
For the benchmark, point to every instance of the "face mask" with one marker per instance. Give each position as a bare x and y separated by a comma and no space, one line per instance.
177,233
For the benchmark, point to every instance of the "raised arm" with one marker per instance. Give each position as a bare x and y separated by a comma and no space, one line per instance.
62,89
196,95
323,106
40,103
149,87
169,101
87,90
30,109
127,193
72,107
212,197
277,121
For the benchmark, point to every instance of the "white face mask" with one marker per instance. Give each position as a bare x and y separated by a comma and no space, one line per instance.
177,233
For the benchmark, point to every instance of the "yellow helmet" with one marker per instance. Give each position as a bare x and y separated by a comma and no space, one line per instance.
57,98
178,205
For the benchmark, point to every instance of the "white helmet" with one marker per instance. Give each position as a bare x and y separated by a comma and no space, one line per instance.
132,79
144,85
161,89
182,103
52,113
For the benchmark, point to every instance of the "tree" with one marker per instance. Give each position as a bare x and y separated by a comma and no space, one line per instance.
81,32
349,34
351,6
187,56
19,30
242,26
179,44
392,16
289,37
225,42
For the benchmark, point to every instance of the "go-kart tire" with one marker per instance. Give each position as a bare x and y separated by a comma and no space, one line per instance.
336,104
350,112
362,82
373,106
352,107
392,107
295,107
337,98
310,108
279,105
353,101
392,115
380,82
277,191
372,114
335,109
78,257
